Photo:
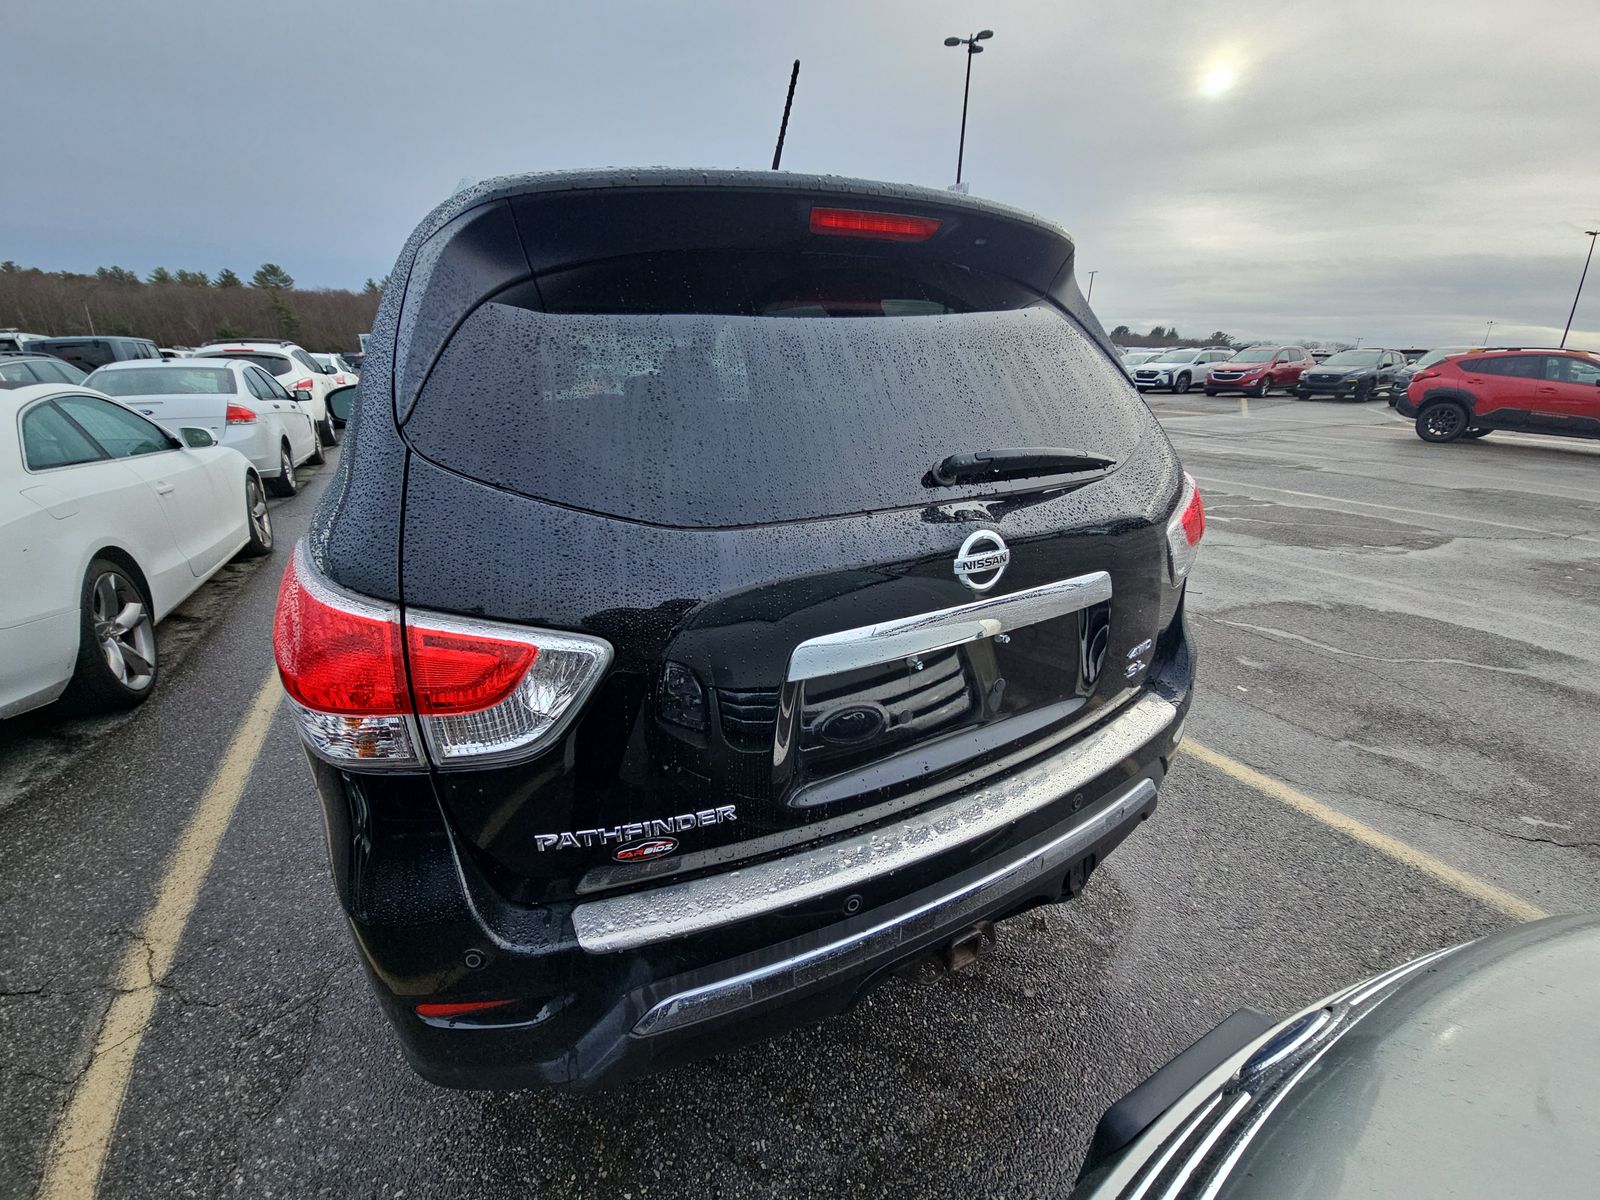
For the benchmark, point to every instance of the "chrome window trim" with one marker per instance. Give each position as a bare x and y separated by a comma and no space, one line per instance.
926,633
610,924
740,991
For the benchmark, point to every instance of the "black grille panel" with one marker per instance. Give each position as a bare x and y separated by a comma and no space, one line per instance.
749,718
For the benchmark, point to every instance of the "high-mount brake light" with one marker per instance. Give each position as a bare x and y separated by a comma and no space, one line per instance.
1184,531
238,414
371,690
888,227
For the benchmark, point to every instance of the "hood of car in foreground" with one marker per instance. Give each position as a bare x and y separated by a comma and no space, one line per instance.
1425,1093
1468,1072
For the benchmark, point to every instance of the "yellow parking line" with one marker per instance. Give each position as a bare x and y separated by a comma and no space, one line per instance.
1469,885
83,1137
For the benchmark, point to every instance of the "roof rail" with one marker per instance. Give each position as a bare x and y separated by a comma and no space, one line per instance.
235,340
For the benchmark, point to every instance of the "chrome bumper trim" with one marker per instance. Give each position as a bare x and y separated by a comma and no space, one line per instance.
967,902
611,924
926,633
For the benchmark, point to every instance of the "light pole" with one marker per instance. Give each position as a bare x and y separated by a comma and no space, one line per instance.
1487,331
1091,275
1590,234
971,43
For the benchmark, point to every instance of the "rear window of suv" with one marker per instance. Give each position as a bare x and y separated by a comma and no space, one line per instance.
272,364
164,381
707,390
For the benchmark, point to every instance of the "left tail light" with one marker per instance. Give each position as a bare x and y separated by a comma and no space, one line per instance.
371,689
238,414
1427,374
1184,531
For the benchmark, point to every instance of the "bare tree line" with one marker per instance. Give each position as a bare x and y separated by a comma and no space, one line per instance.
184,309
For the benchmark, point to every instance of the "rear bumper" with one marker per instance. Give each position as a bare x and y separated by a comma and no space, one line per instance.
613,987
1404,405
1337,390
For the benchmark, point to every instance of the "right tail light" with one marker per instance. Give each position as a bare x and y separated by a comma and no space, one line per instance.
372,689
1184,531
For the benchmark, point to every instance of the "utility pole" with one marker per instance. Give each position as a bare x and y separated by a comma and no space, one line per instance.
788,103
1091,275
971,43
1591,234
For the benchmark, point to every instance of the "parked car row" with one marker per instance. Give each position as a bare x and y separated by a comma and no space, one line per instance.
1360,374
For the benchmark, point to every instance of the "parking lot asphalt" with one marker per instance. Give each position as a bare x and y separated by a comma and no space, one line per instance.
1401,633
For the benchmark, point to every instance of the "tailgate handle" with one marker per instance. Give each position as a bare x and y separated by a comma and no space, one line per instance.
927,633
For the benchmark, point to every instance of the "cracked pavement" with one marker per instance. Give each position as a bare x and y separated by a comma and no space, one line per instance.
1404,632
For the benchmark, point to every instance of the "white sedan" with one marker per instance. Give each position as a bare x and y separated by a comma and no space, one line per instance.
233,400
107,522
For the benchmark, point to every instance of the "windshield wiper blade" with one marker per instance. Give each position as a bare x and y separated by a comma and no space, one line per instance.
980,465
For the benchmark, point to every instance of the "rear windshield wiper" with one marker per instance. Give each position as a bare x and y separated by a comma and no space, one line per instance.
981,465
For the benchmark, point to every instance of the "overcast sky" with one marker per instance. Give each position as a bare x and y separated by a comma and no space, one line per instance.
1402,171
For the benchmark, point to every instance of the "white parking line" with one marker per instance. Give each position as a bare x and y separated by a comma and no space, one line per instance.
82,1139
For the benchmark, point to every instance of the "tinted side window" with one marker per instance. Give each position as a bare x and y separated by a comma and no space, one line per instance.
1519,366
1572,370
16,374
274,389
124,434
255,386
57,372
50,440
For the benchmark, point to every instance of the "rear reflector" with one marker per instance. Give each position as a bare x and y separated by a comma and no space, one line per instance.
1185,529
238,414
460,1008
889,227
365,686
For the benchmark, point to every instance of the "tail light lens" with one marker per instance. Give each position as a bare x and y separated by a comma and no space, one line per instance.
1184,531
371,689
238,414
1430,373
301,385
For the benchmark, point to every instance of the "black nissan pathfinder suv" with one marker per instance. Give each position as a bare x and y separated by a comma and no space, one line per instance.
735,585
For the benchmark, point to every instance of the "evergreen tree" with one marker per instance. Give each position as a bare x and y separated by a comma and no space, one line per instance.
194,279
270,277
160,275
226,278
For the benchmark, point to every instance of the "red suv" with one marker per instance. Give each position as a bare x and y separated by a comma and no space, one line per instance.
1256,370
1537,391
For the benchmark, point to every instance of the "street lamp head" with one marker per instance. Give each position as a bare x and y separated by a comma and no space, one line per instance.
975,48
952,41
985,35
1592,232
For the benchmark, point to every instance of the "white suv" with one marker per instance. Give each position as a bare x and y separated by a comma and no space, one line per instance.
1178,369
292,367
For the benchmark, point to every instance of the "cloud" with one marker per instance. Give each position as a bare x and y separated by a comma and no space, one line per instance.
1398,171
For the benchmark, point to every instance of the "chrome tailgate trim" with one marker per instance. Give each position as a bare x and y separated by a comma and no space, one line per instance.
612,924
925,633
